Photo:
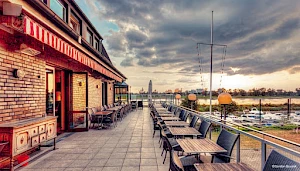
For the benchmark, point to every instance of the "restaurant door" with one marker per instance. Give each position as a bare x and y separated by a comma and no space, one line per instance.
78,115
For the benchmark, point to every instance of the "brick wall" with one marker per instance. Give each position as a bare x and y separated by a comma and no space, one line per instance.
95,94
79,92
21,98
110,93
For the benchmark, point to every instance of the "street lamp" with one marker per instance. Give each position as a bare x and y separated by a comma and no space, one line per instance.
192,97
224,99
177,97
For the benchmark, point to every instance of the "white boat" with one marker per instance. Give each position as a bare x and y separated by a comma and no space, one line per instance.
274,116
254,110
296,121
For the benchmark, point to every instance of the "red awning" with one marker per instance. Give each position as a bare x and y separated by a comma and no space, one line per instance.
35,30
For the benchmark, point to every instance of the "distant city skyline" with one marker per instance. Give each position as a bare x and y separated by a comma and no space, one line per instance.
154,40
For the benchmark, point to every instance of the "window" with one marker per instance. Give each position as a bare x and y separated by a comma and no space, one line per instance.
57,7
97,44
75,23
89,37
45,1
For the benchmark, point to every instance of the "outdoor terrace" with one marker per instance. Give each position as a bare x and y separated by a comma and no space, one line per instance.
127,147
130,146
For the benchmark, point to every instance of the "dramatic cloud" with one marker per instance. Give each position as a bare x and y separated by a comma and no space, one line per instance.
262,36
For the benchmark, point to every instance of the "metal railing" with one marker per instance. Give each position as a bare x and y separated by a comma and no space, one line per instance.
232,126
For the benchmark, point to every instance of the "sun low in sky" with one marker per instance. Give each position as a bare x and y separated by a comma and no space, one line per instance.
157,40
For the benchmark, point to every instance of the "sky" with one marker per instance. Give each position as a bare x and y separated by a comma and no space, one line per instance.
157,40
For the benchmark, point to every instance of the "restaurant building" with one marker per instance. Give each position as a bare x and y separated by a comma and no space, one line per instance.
52,63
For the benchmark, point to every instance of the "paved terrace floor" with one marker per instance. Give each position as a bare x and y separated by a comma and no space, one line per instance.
128,147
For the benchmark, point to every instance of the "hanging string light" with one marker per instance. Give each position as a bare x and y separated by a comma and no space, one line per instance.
200,66
223,64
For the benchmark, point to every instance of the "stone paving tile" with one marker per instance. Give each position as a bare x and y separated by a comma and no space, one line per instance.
148,168
74,169
93,169
97,162
117,155
131,162
79,163
114,162
130,168
148,162
111,169
147,155
133,155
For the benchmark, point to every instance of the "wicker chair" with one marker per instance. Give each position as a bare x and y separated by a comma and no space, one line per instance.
203,128
92,118
226,140
181,114
155,125
277,159
184,163
194,121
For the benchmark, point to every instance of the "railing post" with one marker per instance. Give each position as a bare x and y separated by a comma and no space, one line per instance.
238,148
263,154
210,132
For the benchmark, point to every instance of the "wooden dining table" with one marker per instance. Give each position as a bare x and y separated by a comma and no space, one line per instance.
184,131
166,115
222,167
173,118
100,115
114,108
200,146
165,112
176,123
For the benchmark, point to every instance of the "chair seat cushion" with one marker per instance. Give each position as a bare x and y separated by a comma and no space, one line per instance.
188,161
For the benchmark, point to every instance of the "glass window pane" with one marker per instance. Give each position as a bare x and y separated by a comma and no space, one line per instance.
58,8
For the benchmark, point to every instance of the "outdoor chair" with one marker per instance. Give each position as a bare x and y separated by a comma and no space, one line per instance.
120,113
185,116
181,114
140,104
184,163
155,125
110,120
134,104
203,128
277,159
226,140
194,121
167,147
92,118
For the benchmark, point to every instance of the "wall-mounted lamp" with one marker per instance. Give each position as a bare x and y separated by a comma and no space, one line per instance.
80,83
58,96
18,73
97,86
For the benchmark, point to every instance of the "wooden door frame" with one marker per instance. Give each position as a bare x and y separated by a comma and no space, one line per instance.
71,112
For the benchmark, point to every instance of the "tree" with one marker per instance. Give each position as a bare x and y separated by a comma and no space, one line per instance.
187,103
231,108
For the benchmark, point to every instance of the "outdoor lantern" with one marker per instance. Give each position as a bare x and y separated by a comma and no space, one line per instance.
224,99
192,97
177,97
